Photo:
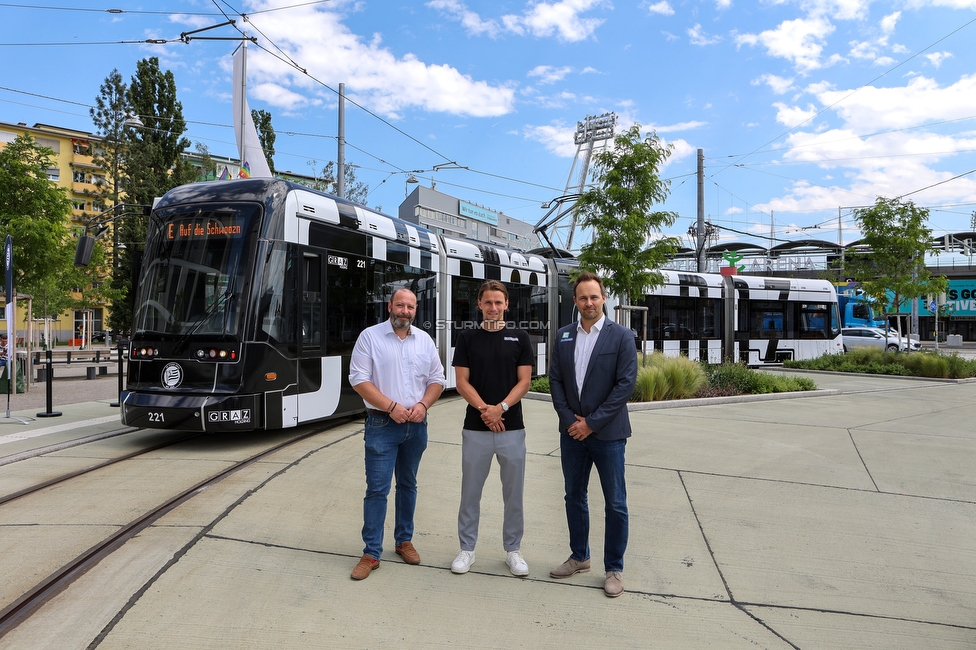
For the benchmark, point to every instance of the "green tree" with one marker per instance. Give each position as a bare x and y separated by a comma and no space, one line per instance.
266,135
208,168
36,214
896,240
627,245
111,117
154,164
325,181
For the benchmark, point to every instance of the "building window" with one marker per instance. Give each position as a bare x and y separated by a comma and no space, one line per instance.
436,215
54,174
80,177
78,204
81,148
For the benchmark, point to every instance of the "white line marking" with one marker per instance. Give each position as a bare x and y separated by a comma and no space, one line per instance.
26,435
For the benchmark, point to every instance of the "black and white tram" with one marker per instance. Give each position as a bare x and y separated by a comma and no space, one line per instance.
252,294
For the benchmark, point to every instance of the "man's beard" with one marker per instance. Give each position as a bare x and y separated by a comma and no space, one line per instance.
400,323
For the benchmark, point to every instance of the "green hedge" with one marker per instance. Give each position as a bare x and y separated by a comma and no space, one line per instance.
879,362
664,378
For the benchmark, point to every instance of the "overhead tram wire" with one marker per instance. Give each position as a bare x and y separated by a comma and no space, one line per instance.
290,61
850,94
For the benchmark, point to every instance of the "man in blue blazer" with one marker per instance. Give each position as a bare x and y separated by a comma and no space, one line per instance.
591,379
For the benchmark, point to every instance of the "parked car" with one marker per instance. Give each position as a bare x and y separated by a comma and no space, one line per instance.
913,343
873,337
101,336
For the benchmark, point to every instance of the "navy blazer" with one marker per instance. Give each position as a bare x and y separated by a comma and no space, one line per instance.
607,386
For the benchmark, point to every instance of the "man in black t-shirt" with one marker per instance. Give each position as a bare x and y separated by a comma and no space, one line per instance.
493,367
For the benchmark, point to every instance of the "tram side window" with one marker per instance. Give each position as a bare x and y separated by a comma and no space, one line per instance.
464,305
814,319
387,277
346,313
276,306
709,318
767,320
311,301
678,317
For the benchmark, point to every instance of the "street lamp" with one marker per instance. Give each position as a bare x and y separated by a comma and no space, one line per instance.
411,180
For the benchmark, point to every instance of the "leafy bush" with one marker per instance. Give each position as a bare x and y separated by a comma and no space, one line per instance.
540,384
668,378
740,380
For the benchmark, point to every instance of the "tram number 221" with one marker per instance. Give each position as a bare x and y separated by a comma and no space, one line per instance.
156,417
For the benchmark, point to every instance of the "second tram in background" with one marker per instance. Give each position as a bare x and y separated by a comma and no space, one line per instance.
252,294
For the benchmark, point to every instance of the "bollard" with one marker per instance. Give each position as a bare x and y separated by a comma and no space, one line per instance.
118,402
50,390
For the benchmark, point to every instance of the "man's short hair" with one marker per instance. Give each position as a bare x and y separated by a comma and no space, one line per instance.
492,285
588,276
395,292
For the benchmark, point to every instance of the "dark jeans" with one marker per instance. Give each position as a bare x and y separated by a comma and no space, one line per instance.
578,458
391,449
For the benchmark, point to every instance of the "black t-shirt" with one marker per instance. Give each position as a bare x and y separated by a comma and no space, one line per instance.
492,359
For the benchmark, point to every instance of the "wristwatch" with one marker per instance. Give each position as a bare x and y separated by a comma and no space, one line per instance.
504,407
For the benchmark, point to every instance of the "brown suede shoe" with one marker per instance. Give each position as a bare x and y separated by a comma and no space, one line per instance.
570,568
614,586
408,553
365,566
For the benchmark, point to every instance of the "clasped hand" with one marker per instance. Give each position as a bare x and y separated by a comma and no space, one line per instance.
492,417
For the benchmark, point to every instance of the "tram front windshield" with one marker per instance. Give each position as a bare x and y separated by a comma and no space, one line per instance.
194,270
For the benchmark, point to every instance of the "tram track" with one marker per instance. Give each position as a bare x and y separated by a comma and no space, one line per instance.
22,607
91,468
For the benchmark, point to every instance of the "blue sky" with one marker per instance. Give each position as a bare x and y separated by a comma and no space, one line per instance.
801,107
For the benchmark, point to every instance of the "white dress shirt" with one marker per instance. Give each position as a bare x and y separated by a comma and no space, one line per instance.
585,342
401,369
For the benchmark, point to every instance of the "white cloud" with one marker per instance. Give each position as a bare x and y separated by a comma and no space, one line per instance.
470,20
376,77
556,138
936,58
734,210
792,116
778,85
697,36
723,4
888,22
663,8
680,126
800,41
921,100
548,74
888,163
560,19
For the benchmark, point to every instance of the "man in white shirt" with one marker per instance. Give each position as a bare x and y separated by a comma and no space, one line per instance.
396,370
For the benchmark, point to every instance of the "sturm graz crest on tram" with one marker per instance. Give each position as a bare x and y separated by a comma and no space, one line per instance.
172,375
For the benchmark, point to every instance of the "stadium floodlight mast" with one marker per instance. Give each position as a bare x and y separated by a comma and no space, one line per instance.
592,133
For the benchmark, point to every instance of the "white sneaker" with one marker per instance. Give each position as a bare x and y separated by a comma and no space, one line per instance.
462,562
517,564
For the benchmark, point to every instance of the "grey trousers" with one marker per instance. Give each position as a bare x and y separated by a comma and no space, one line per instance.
477,450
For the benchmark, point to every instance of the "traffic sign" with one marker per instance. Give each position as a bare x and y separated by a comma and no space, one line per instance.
932,306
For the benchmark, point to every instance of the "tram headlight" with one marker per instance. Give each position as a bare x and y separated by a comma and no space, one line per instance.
213,353
201,354
223,354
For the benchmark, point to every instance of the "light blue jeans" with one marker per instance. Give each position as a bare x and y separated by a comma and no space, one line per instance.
391,450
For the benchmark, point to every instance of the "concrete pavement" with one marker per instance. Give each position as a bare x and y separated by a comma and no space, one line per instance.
831,521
